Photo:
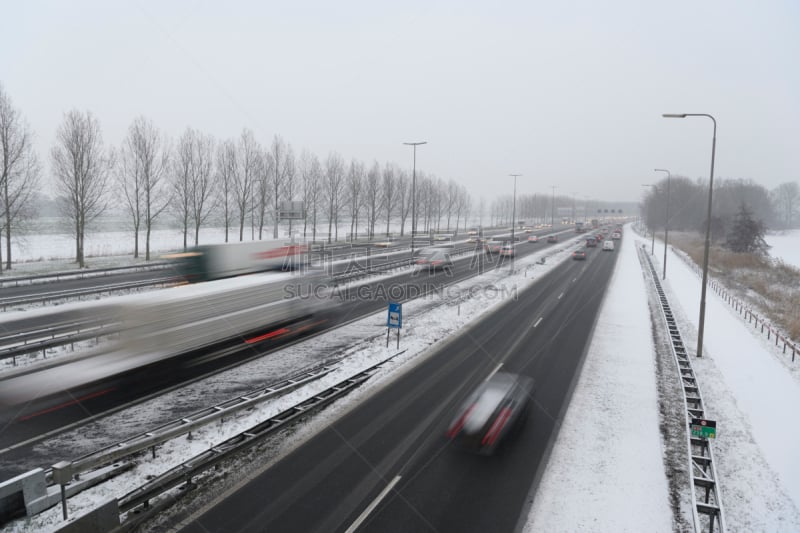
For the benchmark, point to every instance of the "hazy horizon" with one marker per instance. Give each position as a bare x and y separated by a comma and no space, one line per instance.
566,94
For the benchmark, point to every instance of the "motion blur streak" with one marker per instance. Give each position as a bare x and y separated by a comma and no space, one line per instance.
67,404
491,436
266,336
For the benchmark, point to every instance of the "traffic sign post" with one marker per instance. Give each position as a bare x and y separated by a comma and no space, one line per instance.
394,320
706,429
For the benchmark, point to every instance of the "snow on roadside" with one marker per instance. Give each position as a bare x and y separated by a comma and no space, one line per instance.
785,246
422,331
606,471
753,397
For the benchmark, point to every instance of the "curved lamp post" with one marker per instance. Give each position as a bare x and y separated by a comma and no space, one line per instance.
701,325
514,208
666,222
653,231
414,193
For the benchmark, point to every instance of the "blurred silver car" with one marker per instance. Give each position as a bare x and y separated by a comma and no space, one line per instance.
491,412
433,259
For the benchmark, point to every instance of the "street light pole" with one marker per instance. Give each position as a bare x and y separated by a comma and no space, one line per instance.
414,193
666,221
652,244
514,208
702,320
553,208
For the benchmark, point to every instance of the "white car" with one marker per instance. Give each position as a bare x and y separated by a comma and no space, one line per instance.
608,246
507,250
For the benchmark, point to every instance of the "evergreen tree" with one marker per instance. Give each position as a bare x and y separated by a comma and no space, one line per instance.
746,234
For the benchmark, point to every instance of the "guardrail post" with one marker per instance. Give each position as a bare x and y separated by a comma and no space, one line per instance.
62,474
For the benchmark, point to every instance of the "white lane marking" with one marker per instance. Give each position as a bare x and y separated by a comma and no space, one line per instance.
363,516
560,295
537,322
574,280
494,371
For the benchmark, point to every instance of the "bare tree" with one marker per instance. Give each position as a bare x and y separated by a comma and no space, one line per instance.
786,198
249,168
389,190
311,175
203,182
19,173
181,181
355,199
461,206
289,182
192,181
277,176
372,196
141,173
264,192
334,181
451,198
403,198
81,166
227,169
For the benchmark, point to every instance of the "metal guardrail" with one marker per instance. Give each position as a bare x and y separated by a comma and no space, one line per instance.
30,342
184,472
151,438
702,468
79,274
75,293
138,500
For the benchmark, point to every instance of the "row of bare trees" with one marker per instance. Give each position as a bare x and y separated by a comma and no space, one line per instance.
198,181
20,173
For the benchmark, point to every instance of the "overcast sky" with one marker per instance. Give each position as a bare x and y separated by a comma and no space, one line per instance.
565,93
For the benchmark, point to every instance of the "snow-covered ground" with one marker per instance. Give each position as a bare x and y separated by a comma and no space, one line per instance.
785,246
602,474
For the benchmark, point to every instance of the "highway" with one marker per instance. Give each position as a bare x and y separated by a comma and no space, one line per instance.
23,426
386,466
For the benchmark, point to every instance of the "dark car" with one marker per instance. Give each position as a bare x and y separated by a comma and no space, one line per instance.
491,412
579,254
552,238
591,242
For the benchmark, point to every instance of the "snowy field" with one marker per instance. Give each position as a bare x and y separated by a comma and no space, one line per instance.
785,246
52,249
600,476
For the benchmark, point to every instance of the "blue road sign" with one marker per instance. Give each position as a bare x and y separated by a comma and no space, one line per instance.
395,318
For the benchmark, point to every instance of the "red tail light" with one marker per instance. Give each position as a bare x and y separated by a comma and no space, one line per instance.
456,427
494,431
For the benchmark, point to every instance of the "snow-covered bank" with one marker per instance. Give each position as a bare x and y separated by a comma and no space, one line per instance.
607,459
785,246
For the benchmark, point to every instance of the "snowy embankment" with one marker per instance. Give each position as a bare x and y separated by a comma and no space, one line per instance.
785,246
606,471
752,392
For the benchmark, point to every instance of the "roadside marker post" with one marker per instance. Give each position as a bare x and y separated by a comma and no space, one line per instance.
394,320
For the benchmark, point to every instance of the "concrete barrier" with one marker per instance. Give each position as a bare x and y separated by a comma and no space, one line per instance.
17,494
